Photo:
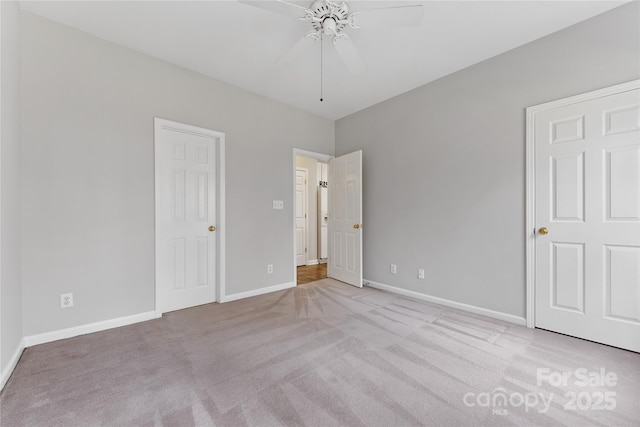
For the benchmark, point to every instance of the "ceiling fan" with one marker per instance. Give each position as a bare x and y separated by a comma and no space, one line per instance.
328,18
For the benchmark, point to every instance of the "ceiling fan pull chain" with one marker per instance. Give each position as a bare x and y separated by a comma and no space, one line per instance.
320,66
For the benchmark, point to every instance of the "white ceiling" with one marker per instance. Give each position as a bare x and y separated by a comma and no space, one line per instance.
240,44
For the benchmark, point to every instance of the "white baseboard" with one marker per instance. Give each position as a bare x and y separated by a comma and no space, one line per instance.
312,262
256,292
88,328
448,303
13,362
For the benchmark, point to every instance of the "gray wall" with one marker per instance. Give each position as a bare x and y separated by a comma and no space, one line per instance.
10,280
444,164
88,179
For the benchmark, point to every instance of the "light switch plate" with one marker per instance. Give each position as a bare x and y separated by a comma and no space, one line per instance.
278,204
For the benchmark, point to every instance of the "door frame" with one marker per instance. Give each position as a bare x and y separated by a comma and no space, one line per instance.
311,155
159,124
306,213
530,236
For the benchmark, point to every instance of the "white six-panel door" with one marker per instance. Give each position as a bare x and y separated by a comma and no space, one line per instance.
345,219
185,215
587,201
301,217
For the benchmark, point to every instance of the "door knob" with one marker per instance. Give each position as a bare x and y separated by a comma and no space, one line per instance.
212,228
543,230
356,226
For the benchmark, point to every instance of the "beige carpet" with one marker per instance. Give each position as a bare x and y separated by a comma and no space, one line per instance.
321,354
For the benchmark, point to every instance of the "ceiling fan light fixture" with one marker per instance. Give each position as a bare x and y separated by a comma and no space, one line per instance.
321,11
329,26
329,18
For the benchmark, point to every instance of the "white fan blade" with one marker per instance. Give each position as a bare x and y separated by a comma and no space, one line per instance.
278,6
399,16
301,45
349,55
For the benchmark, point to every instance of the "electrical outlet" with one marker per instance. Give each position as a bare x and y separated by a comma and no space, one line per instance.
270,268
394,269
420,273
66,300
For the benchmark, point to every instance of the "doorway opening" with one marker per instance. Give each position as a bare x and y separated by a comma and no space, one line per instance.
343,216
311,218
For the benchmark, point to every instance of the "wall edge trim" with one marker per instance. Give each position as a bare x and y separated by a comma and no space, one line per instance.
256,292
11,366
518,320
88,328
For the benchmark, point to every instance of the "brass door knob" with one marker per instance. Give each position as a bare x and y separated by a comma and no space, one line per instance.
356,226
543,230
212,228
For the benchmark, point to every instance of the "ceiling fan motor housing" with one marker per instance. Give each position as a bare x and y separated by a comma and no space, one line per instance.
331,17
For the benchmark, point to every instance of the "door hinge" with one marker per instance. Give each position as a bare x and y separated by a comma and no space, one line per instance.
305,215
305,249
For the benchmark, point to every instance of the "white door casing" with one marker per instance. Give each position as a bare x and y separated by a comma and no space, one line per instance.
188,252
585,184
345,219
323,213
301,216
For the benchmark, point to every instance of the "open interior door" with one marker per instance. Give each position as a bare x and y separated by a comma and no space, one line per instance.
345,219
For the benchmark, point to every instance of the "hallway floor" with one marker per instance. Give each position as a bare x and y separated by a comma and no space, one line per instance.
311,273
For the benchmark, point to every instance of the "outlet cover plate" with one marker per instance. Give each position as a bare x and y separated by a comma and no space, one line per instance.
66,300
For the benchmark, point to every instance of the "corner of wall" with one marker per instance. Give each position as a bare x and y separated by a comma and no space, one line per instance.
11,304
10,366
